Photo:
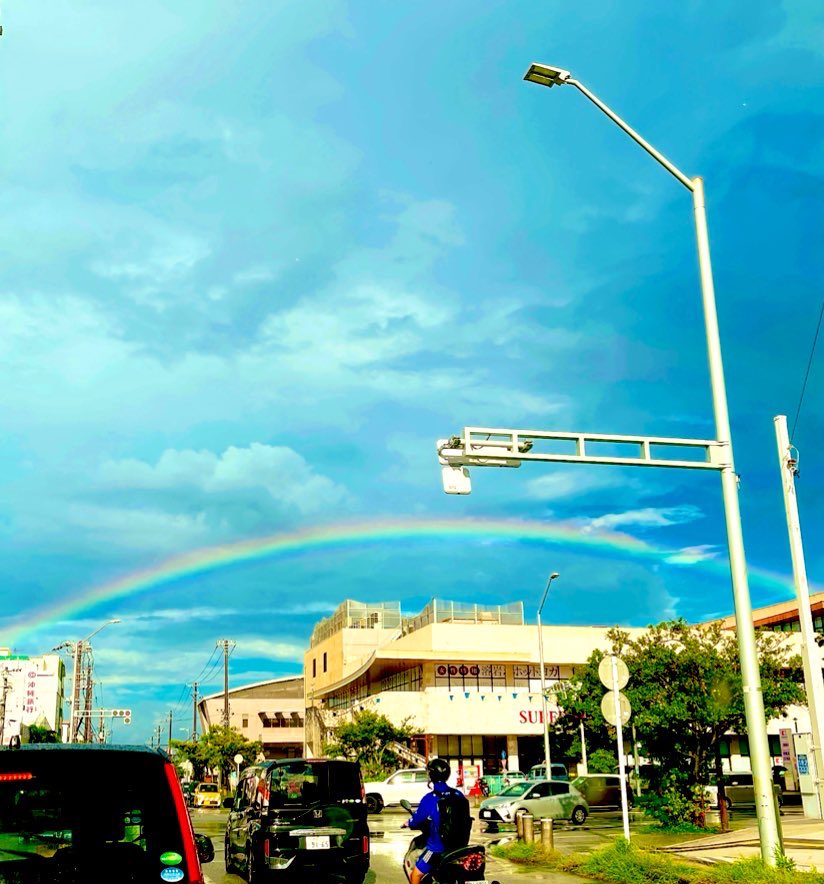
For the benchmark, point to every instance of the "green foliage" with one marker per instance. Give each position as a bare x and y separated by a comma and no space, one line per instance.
624,863
367,738
523,852
38,734
685,690
216,750
602,761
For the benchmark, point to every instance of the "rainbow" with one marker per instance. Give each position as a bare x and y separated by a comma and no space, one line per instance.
357,534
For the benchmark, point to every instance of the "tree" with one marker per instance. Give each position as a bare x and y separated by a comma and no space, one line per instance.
368,738
41,734
686,691
216,750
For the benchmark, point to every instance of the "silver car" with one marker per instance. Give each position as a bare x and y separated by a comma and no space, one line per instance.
550,799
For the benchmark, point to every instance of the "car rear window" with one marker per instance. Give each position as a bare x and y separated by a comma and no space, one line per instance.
71,816
305,782
207,787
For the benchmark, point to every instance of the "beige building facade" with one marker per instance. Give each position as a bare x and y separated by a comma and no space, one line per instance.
467,678
270,711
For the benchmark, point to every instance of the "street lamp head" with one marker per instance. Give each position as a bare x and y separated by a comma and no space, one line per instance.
546,75
116,620
554,575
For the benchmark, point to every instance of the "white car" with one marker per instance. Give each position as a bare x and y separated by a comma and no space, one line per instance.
411,784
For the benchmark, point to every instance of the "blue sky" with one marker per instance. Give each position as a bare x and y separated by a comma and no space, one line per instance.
257,257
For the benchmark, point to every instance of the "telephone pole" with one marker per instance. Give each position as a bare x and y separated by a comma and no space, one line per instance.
226,644
194,711
88,696
3,707
74,715
169,744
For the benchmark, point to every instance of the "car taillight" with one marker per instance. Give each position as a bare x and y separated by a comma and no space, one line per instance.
186,830
266,847
366,844
472,861
14,777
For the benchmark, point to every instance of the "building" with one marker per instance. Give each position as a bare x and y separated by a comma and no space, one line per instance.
467,678
270,711
31,693
783,616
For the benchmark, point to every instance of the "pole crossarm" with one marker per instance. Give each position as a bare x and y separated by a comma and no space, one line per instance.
497,447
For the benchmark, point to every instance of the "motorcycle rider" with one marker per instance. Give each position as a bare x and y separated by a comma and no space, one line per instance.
438,770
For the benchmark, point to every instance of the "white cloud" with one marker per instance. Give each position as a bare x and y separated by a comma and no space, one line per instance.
273,650
692,555
137,529
648,517
280,471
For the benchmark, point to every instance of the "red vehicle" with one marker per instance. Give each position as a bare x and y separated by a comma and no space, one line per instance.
91,813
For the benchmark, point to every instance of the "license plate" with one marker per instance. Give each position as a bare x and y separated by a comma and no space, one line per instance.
317,842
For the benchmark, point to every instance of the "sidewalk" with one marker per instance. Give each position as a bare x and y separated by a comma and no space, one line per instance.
803,843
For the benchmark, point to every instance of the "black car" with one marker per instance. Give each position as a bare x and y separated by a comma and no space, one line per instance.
83,814
299,818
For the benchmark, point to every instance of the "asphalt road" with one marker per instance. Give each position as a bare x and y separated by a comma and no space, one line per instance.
389,843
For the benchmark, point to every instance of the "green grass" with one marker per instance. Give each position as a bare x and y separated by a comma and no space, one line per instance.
623,863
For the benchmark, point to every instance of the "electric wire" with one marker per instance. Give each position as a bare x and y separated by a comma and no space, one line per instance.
807,372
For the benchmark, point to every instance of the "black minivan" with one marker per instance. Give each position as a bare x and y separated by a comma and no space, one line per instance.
299,818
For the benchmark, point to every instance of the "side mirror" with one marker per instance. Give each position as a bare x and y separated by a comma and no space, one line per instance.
406,805
228,802
205,848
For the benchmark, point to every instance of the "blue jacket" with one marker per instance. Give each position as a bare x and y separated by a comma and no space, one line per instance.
428,810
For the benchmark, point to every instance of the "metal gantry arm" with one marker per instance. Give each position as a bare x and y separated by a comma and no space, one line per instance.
497,447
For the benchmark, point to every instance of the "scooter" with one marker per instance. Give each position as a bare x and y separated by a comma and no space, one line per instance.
466,864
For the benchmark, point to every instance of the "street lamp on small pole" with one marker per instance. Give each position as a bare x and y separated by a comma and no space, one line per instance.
553,576
547,75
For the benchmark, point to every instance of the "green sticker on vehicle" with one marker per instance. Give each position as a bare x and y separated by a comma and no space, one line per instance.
170,858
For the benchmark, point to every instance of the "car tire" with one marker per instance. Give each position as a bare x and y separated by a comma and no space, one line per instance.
253,873
228,862
578,816
374,803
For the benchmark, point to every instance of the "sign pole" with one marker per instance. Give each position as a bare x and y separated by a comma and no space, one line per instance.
619,730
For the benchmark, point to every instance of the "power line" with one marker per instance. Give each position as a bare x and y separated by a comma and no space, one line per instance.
807,373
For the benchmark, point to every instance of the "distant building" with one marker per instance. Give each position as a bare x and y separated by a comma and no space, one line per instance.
269,711
783,617
31,693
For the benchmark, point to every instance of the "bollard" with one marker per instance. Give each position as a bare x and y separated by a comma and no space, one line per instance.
547,834
519,825
529,828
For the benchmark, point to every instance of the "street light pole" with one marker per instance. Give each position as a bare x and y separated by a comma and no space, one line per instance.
751,678
544,710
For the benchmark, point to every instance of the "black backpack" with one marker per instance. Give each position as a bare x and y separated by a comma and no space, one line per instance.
455,820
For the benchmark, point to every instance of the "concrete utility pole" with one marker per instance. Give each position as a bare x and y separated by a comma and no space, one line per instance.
74,714
813,681
194,711
226,644
169,744
3,707
88,687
